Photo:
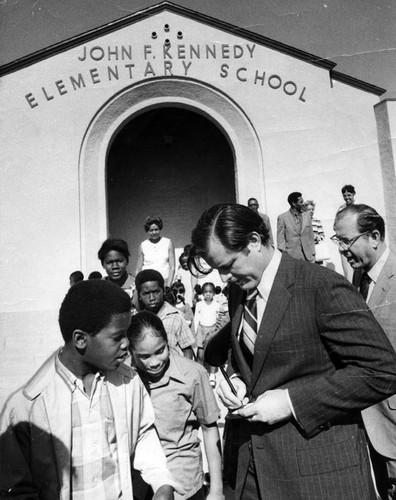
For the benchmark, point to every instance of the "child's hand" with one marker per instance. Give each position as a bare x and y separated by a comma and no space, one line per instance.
164,492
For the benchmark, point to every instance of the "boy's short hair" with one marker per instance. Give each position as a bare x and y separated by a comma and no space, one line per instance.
116,244
90,305
76,276
149,275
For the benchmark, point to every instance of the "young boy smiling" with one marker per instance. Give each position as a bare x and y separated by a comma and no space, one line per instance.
74,429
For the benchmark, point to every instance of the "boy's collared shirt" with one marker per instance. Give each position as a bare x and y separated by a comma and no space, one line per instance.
36,423
179,334
183,399
94,459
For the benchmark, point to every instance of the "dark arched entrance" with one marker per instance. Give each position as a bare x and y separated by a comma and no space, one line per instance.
168,161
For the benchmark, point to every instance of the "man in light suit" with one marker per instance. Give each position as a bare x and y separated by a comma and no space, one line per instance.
294,230
318,359
360,235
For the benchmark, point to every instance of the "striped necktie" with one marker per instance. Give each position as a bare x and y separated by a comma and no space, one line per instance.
249,327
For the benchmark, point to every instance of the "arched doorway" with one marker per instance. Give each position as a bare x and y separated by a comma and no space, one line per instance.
137,99
169,161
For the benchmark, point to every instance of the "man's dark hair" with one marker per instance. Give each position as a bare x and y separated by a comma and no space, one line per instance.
116,244
368,219
90,305
148,275
293,197
348,188
231,224
152,219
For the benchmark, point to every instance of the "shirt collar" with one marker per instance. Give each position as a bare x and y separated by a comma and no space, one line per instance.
69,378
166,309
377,267
268,277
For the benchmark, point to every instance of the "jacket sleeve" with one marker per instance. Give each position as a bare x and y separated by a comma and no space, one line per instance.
280,234
364,361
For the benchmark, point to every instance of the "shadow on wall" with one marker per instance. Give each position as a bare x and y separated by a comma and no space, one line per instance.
28,468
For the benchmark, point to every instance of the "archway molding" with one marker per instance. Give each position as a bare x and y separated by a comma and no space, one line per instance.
137,99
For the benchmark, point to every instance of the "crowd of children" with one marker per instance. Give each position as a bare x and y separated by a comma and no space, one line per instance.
96,366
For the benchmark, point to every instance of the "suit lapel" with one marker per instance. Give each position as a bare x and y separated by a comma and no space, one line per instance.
278,301
293,222
384,281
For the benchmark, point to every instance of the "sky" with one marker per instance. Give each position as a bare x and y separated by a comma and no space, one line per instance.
358,35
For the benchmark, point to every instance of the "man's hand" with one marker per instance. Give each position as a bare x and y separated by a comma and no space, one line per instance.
164,492
229,400
271,407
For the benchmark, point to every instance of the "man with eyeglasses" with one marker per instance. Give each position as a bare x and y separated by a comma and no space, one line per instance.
360,236
307,356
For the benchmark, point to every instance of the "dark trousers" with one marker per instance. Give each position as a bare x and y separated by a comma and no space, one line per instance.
250,489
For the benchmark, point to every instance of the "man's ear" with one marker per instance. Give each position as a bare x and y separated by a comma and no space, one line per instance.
80,339
375,238
254,241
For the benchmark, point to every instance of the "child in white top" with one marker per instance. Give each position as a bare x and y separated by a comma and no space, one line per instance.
205,318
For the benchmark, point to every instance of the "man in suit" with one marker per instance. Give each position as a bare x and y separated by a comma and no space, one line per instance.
318,359
253,204
360,236
294,230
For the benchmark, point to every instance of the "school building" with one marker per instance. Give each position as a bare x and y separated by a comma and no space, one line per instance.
166,111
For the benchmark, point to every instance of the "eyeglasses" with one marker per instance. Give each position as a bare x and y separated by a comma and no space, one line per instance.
345,244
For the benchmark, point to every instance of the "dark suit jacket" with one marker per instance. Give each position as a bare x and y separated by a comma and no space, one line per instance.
380,419
319,340
297,242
